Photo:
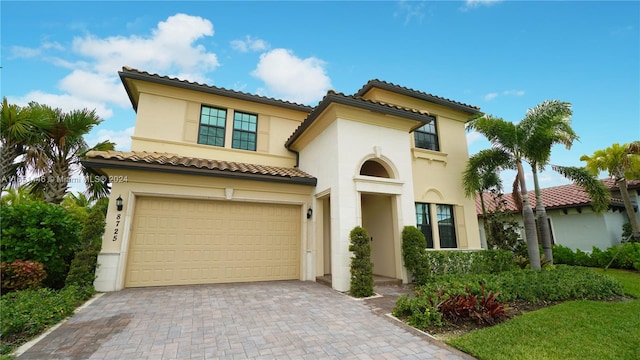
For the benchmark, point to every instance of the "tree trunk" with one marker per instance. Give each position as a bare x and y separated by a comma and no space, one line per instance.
484,219
543,221
633,220
57,183
8,155
529,222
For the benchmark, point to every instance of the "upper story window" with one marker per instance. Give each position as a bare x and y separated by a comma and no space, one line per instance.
426,137
244,131
212,126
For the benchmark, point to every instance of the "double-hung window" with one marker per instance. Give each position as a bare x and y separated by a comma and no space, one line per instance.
244,131
445,223
426,137
212,126
423,221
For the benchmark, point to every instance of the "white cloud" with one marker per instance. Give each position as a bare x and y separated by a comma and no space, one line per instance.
472,4
473,136
514,92
249,44
170,48
93,62
490,96
291,78
65,102
122,138
410,10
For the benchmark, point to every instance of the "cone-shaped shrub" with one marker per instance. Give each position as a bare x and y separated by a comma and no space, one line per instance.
361,265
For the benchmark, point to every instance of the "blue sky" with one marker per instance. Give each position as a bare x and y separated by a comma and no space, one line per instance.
503,56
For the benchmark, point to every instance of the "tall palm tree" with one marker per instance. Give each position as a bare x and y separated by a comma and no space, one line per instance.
547,124
61,150
19,128
482,174
509,137
622,162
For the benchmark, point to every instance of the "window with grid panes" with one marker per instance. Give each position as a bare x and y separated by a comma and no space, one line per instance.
212,126
423,222
446,226
426,137
244,131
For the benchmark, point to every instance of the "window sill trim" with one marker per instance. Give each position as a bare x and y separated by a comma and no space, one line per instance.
429,155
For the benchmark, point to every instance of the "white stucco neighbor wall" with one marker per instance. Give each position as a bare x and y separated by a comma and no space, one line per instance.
581,230
335,157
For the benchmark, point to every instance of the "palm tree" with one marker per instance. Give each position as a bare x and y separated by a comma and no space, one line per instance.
61,150
509,138
19,128
621,162
481,174
547,124
16,195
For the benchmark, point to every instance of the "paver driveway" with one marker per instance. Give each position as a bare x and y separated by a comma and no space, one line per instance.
270,320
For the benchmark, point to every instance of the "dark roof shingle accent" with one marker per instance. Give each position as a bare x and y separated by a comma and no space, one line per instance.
417,94
131,73
167,162
358,102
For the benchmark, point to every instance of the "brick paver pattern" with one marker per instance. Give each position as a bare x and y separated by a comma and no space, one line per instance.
267,320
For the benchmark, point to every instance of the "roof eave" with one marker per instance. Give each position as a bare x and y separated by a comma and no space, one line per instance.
95,164
354,102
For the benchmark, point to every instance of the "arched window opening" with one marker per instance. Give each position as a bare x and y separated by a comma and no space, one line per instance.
374,168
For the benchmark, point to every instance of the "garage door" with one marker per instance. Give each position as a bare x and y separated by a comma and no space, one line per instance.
183,241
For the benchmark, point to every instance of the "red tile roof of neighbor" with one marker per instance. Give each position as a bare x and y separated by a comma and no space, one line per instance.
557,197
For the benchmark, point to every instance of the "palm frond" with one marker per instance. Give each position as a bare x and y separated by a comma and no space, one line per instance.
598,192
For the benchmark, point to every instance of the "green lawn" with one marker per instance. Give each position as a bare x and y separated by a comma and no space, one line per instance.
571,330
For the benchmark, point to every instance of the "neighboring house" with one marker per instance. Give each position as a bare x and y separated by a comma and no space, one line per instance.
225,186
571,219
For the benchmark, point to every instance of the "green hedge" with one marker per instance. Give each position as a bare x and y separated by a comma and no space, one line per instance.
361,266
40,232
27,313
624,256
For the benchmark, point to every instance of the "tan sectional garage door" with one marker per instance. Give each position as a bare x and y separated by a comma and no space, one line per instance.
182,241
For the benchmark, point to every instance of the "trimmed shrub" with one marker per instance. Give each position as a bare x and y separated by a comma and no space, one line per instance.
41,232
469,262
21,275
361,265
83,267
414,247
624,256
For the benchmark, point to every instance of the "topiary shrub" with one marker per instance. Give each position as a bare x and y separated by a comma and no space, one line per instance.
361,265
21,275
83,267
40,232
414,248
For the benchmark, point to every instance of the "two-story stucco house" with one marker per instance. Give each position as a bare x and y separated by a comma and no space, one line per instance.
225,186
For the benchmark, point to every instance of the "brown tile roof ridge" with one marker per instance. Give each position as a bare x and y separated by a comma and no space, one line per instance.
416,93
245,94
555,197
169,159
334,96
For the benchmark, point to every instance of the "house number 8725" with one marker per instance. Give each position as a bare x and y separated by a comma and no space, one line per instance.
115,231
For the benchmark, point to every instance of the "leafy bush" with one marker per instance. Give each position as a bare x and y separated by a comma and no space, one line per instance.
361,265
420,311
83,267
554,283
624,256
41,232
21,275
469,262
27,313
414,247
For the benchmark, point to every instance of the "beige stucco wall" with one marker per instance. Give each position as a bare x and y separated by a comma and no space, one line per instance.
168,121
132,183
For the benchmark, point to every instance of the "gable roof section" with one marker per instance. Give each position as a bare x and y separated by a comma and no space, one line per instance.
470,109
557,197
165,162
134,74
357,102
